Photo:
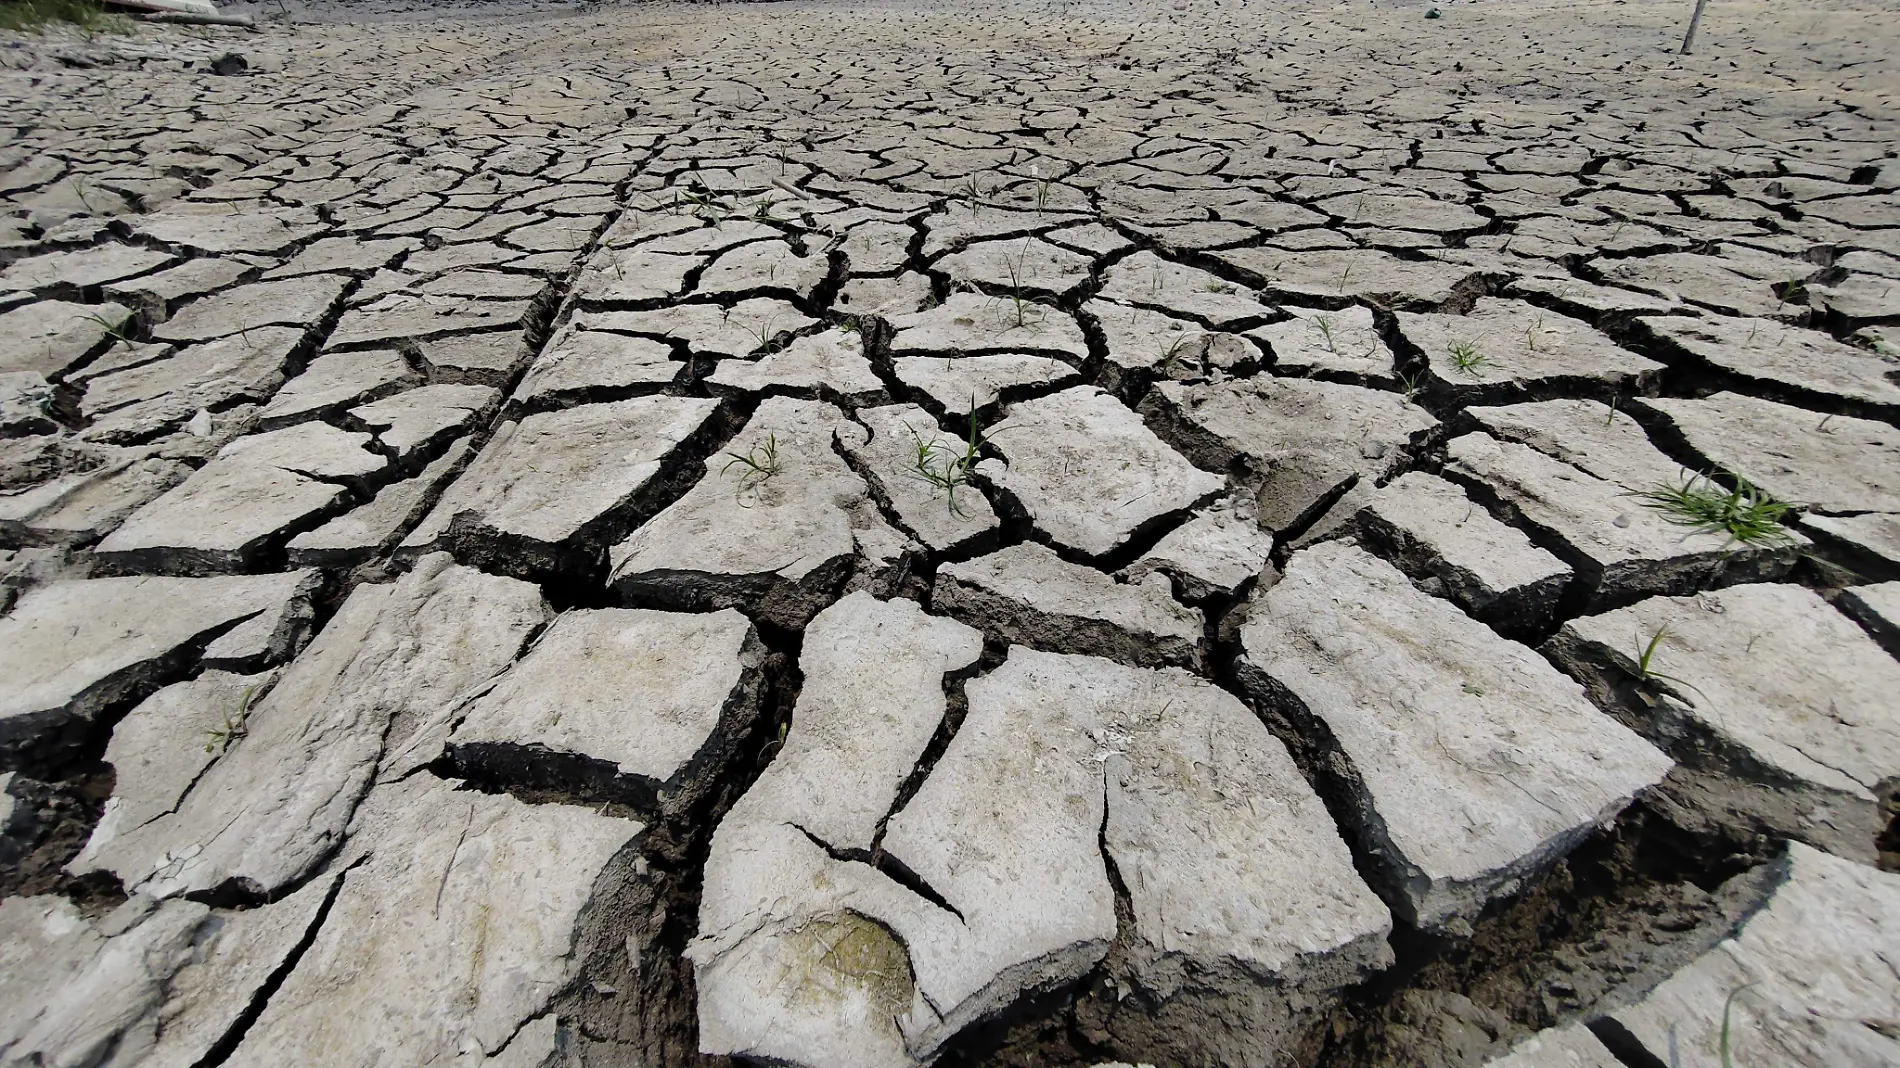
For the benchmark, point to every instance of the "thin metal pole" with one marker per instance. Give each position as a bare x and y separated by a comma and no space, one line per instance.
1689,38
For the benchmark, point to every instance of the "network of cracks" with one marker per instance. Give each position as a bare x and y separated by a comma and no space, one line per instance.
866,535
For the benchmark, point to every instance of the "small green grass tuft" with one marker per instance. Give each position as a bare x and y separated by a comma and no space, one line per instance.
233,727
1647,673
945,467
1466,358
1747,515
757,464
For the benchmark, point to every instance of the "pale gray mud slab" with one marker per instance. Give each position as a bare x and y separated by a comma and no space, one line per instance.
373,528
1780,708
1317,342
54,335
1354,274
1432,530
1028,594
454,927
79,509
972,323
1828,463
1877,608
1295,444
1807,980
150,984
253,496
930,494
70,650
640,706
1507,347
1088,472
1589,435
275,803
1468,763
549,492
1620,548
966,383
1220,549
336,381
798,956
1765,352
778,523
830,364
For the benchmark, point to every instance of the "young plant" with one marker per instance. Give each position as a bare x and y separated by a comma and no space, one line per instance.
1024,309
756,465
1412,385
1745,515
945,467
1174,358
1324,324
1466,358
233,727
1648,656
1723,1044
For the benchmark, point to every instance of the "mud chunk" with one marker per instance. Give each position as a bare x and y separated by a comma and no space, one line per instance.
794,959
1087,470
427,865
1146,280
1775,354
1781,708
71,649
81,508
641,706
958,383
827,364
1297,443
1342,342
972,323
1803,982
1503,346
1876,608
373,528
147,984
1470,763
943,514
1216,552
53,336
255,492
275,803
420,419
549,491
1586,434
1830,463
583,365
143,401
775,524
1029,595
1620,548
1152,765
335,381
1353,274
299,302
1430,528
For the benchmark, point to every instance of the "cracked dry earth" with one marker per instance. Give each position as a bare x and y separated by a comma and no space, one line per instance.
872,534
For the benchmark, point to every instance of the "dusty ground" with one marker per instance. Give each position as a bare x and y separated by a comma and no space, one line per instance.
880,533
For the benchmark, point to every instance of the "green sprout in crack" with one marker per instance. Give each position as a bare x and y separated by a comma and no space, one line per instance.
1324,324
972,193
1412,385
1025,310
1466,358
756,466
1042,188
1174,358
945,467
1646,672
1745,515
233,726
111,328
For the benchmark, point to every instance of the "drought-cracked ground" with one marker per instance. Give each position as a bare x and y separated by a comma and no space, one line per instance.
862,534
